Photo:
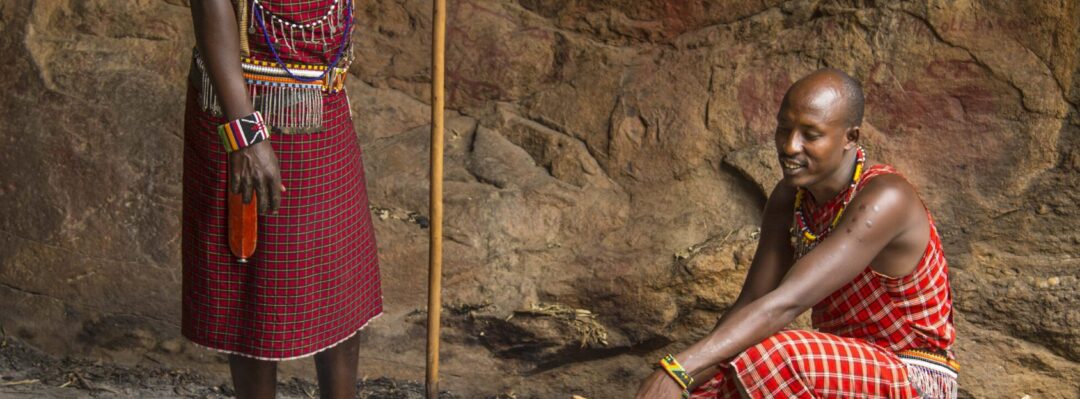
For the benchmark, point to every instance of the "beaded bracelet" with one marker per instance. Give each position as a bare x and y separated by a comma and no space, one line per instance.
243,132
678,373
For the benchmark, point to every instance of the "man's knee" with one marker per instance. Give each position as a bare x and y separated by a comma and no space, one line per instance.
784,343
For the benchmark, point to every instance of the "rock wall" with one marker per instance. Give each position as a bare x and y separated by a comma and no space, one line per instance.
606,164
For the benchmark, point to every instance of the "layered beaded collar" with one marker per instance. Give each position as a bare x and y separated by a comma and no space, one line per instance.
803,239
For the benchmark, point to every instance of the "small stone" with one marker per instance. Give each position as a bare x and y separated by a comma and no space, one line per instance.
1043,209
1053,281
423,222
172,346
1042,284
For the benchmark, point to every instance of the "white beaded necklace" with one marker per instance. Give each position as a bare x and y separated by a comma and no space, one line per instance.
315,31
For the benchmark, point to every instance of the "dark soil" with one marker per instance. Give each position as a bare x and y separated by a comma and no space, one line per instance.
26,372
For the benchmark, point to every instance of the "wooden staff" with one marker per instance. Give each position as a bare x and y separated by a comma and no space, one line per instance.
438,44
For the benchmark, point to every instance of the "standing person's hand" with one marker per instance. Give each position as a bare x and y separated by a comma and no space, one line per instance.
659,386
255,169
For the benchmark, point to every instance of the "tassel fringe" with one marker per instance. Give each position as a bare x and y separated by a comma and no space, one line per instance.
287,108
931,380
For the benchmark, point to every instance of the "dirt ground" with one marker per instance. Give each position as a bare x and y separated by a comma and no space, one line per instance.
29,373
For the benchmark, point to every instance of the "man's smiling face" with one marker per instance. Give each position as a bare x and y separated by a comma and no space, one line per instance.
811,131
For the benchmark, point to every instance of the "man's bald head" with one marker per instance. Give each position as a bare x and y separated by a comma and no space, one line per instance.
826,87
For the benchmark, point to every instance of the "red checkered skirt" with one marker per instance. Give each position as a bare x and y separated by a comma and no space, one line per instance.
807,364
862,326
314,279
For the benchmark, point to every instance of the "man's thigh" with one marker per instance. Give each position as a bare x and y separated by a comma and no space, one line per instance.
807,364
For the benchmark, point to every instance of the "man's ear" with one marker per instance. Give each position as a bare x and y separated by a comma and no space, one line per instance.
852,137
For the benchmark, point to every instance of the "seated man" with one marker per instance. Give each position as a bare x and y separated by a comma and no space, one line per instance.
853,240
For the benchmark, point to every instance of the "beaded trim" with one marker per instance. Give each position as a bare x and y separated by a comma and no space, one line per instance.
330,80
268,37
802,238
677,373
243,132
316,31
950,365
288,23
285,103
931,374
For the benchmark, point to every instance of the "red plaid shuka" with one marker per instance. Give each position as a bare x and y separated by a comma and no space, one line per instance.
860,329
314,279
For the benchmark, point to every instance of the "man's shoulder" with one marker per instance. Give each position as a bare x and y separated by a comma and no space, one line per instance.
888,189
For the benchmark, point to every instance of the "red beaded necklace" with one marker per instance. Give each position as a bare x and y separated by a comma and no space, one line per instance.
802,238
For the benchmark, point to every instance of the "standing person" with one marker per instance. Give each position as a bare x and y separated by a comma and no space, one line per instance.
850,239
267,114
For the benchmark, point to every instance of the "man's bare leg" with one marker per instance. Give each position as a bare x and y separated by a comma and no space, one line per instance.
253,378
336,368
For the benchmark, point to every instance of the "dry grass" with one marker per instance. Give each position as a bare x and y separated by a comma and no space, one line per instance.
583,321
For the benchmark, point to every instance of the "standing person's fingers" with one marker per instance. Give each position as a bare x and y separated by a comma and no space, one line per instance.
262,188
275,194
235,180
247,188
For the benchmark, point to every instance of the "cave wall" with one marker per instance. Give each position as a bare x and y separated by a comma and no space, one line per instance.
611,156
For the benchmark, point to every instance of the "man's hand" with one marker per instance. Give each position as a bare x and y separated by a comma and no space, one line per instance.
659,385
255,169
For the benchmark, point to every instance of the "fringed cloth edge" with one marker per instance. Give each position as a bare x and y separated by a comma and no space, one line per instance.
932,375
282,359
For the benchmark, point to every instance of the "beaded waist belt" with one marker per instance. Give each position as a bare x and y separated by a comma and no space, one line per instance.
287,105
932,374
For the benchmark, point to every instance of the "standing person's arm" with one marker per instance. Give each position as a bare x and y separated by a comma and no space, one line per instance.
253,168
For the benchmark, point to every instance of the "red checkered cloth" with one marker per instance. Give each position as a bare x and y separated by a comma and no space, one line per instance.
860,328
808,364
314,278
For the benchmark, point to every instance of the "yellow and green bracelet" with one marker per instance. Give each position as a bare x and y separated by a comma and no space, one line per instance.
678,373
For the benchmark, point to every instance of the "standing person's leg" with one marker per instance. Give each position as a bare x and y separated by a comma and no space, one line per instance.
336,368
253,378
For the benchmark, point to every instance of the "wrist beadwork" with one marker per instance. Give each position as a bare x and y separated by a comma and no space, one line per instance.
678,373
243,132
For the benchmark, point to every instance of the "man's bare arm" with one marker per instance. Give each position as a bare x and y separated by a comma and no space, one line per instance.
772,259
856,240
774,255
251,169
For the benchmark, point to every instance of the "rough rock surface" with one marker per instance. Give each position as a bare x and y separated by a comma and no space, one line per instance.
610,156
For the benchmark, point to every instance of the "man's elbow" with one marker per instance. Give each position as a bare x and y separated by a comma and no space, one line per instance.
784,309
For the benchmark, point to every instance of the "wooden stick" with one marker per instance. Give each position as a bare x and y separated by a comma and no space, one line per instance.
20,382
438,43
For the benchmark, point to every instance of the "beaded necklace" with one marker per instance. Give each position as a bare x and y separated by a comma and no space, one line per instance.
804,240
314,31
295,25
259,10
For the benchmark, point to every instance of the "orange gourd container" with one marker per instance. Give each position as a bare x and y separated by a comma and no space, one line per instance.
243,226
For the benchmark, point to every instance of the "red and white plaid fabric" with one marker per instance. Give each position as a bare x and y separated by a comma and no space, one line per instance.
808,364
314,278
860,327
